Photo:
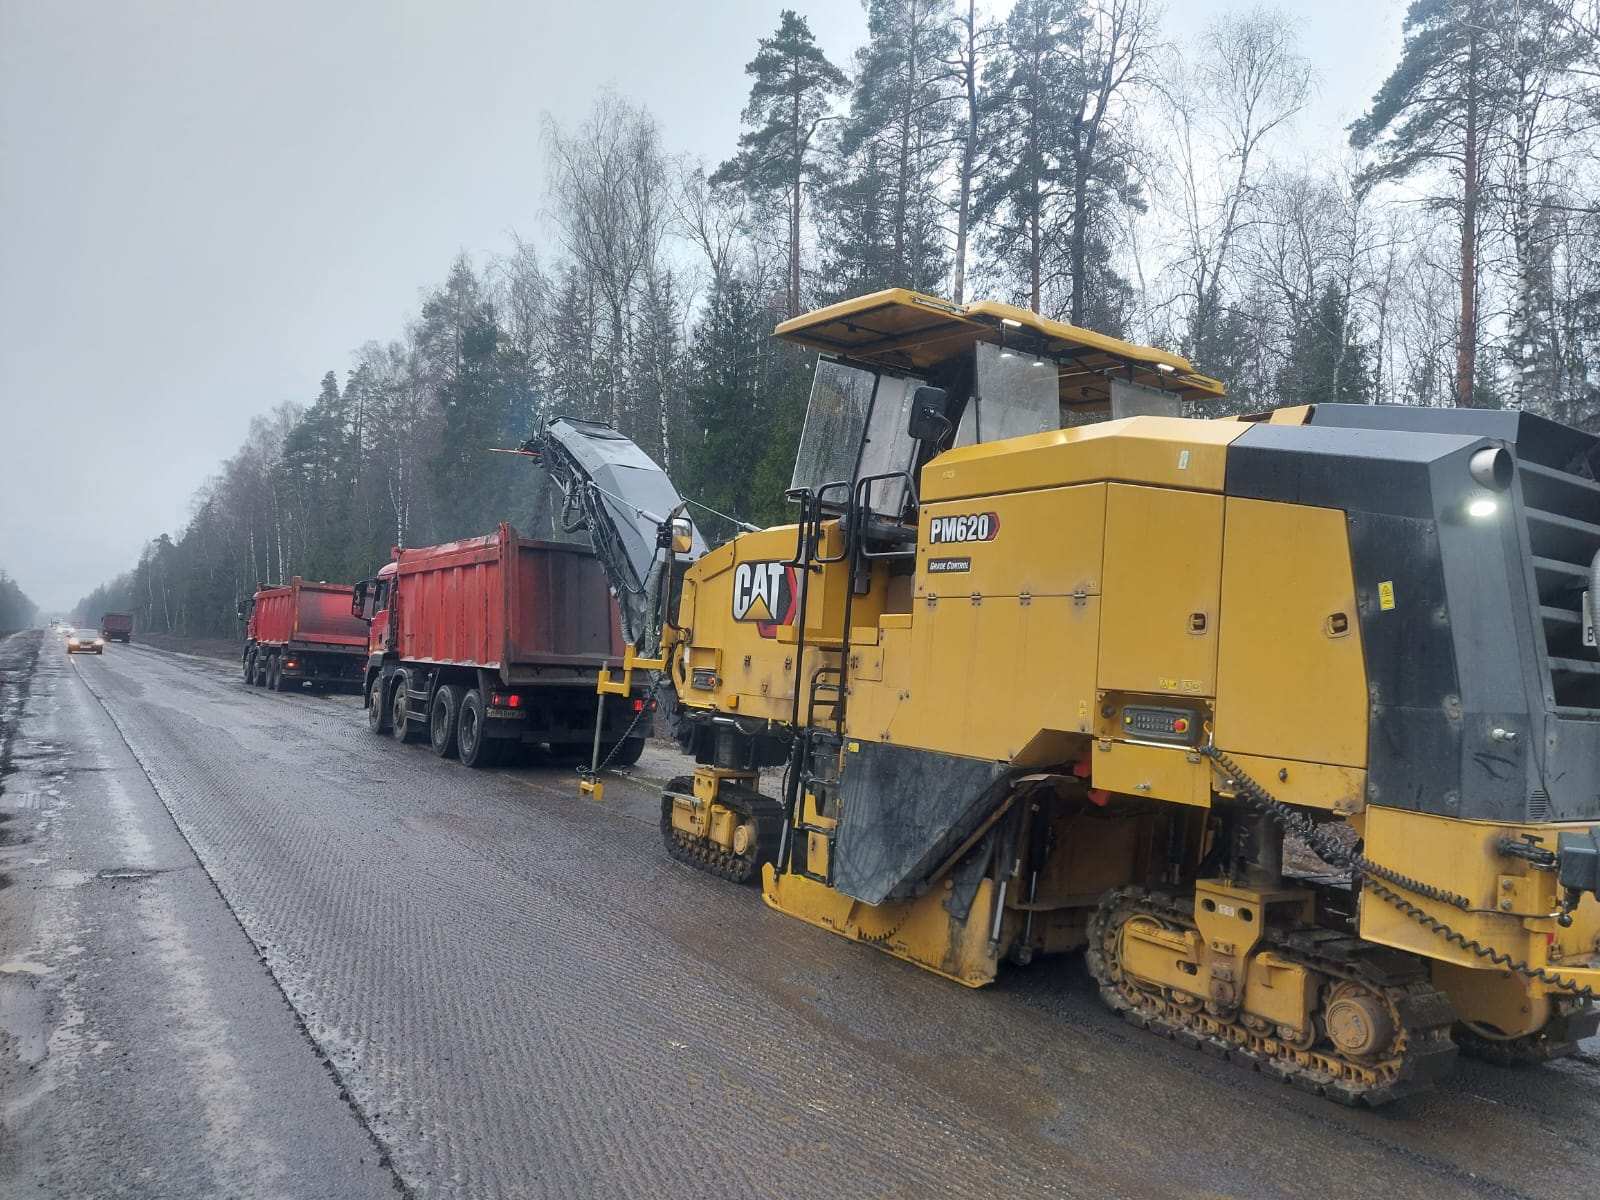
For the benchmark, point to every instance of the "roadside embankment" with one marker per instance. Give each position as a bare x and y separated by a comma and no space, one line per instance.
225,648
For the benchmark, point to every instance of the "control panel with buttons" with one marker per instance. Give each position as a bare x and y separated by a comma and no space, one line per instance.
1151,723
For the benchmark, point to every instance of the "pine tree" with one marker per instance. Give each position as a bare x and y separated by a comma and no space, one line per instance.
1112,47
1021,202
857,241
457,340
574,375
1327,363
654,370
726,425
788,104
314,481
895,151
1055,169
1437,108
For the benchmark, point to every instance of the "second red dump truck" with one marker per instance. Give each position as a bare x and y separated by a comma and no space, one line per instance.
303,633
116,627
492,643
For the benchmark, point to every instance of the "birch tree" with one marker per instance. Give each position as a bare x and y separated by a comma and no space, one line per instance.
789,98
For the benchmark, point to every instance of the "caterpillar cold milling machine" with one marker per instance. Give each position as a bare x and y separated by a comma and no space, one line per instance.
1038,684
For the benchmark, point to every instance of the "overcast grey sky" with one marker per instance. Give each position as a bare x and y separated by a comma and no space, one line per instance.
204,206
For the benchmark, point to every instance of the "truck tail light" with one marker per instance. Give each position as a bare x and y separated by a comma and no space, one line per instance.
505,700
290,663
638,706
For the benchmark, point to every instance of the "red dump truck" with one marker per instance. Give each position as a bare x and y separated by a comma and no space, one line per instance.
116,627
492,644
303,633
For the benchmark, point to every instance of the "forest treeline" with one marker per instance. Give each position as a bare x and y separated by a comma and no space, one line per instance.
16,610
1070,157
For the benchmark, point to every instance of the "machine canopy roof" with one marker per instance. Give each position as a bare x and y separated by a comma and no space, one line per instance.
906,331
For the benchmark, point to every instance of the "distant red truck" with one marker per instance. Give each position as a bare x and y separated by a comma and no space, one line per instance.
303,633
493,643
117,627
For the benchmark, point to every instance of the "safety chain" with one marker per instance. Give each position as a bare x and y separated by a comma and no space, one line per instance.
1298,823
616,747
1473,946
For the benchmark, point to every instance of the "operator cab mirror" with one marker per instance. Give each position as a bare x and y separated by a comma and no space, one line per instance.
240,609
358,601
930,418
682,536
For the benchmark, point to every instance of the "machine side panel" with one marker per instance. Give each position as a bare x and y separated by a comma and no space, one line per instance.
960,680
1006,592
1449,730
740,605
1037,543
1163,579
1291,680
1415,744
1166,451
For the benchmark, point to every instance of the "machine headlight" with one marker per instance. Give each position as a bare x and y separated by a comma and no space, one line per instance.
1483,507
1491,468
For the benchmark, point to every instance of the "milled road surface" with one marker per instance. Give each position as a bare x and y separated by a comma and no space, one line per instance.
477,984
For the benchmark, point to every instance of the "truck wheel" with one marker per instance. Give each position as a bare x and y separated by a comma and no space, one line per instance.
250,667
444,715
477,750
625,756
278,684
400,723
377,710
272,672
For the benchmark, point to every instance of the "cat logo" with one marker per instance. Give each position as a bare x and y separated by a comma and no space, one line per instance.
764,592
964,527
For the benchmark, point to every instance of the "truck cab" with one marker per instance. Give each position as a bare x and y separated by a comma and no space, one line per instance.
371,603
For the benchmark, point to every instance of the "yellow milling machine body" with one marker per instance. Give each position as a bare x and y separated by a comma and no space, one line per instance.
1291,722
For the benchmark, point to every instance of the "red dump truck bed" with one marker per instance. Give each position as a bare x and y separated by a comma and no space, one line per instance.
307,614
506,603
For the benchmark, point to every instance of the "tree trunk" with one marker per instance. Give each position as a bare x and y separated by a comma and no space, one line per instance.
969,153
1035,286
1079,246
1467,343
619,350
903,181
1035,215
794,202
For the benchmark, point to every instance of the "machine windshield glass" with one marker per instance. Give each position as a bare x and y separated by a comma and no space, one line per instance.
889,446
1017,394
846,423
836,419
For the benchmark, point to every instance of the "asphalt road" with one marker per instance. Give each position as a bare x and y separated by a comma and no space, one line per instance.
248,949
